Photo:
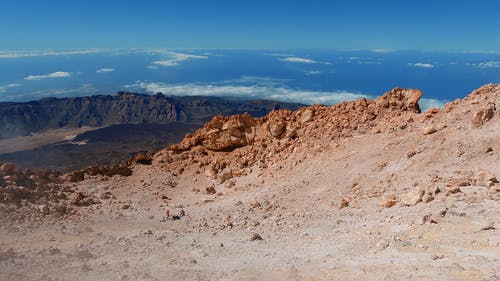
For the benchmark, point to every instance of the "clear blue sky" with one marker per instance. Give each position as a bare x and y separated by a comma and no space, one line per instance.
393,25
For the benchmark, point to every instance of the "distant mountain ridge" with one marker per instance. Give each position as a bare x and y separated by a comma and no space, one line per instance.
24,118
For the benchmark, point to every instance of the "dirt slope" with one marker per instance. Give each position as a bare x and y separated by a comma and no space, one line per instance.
364,190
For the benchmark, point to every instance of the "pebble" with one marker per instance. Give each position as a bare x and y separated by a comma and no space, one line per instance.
254,236
437,256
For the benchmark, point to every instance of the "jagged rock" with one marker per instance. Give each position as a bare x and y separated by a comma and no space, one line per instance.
221,134
307,115
398,98
276,129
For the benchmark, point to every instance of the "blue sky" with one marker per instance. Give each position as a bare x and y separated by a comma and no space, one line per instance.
462,26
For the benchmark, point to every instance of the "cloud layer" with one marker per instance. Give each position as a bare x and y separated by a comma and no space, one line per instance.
250,92
42,53
271,92
57,74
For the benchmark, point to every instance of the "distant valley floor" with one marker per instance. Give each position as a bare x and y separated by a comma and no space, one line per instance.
71,149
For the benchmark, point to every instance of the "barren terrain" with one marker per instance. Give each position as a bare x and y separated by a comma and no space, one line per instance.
364,190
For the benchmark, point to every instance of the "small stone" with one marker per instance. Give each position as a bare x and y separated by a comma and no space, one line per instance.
343,203
254,237
389,201
7,254
452,190
210,190
429,130
490,226
211,172
484,177
226,174
83,254
43,209
125,206
61,209
54,251
437,256
427,198
428,219
412,197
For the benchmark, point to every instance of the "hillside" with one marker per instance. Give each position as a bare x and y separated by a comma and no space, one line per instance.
363,190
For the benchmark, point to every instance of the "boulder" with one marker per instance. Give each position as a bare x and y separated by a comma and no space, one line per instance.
9,169
141,158
276,129
483,115
485,178
412,197
226,174
429,130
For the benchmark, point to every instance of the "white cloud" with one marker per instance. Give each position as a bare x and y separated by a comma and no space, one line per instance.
303,60
105,70
57,74
175,58
3,89
166,62
41,53
250,92
363,60
422,65
299,60
488,64
312,72
280,55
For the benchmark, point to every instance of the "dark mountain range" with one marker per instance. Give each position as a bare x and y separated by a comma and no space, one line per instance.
19,119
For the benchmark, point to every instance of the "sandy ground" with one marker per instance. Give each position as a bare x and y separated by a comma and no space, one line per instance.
39,139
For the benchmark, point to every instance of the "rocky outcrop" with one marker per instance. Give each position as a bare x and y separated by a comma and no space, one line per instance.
229,133
108,171
222,134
